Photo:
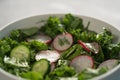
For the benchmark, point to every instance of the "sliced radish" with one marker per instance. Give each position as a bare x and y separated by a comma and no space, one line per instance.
94,47
50,55
90,47
82,62
42,38
83,45
63,42
111,63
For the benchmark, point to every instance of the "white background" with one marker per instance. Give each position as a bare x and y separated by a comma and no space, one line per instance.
106,10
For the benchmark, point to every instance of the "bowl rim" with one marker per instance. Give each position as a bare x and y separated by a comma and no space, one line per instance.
7,74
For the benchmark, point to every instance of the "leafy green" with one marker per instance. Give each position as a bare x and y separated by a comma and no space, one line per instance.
31,75
67,20
55,25
38,45
63,71
104,38
6,45
78,51
85,36
99,57
16,35
34,47
75,33
114,50
20,34
73,25
72,52
13,43
109,49
4,48
72,22
52,27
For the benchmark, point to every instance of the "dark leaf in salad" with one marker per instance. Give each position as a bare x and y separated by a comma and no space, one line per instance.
113,50
30,31
52,27
104,38
6,44
99,57
16,35
63,71
72,22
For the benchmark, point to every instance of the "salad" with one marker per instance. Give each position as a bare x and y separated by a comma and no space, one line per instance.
62,48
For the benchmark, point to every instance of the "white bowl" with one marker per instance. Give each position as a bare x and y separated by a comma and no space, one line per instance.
95,25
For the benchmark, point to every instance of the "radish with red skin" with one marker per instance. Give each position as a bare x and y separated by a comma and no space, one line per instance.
111,63
90,47
82,62
50,55
42,38
83,45
63,41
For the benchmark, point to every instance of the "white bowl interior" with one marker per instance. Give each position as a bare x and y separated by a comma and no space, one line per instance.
95,25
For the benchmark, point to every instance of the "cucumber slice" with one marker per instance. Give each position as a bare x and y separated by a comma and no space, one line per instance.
20,52
42,66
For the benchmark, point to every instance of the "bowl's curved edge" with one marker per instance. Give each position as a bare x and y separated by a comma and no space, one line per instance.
8,75
110,72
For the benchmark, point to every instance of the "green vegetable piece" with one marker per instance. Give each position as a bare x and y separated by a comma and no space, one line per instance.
31,75
30,31
42,66
72,52
99,57
36,45
16,35
68,78
63,71
113,51
52,27
20,52
104,38
78,51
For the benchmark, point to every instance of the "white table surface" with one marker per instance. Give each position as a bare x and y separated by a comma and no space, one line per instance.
106,10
